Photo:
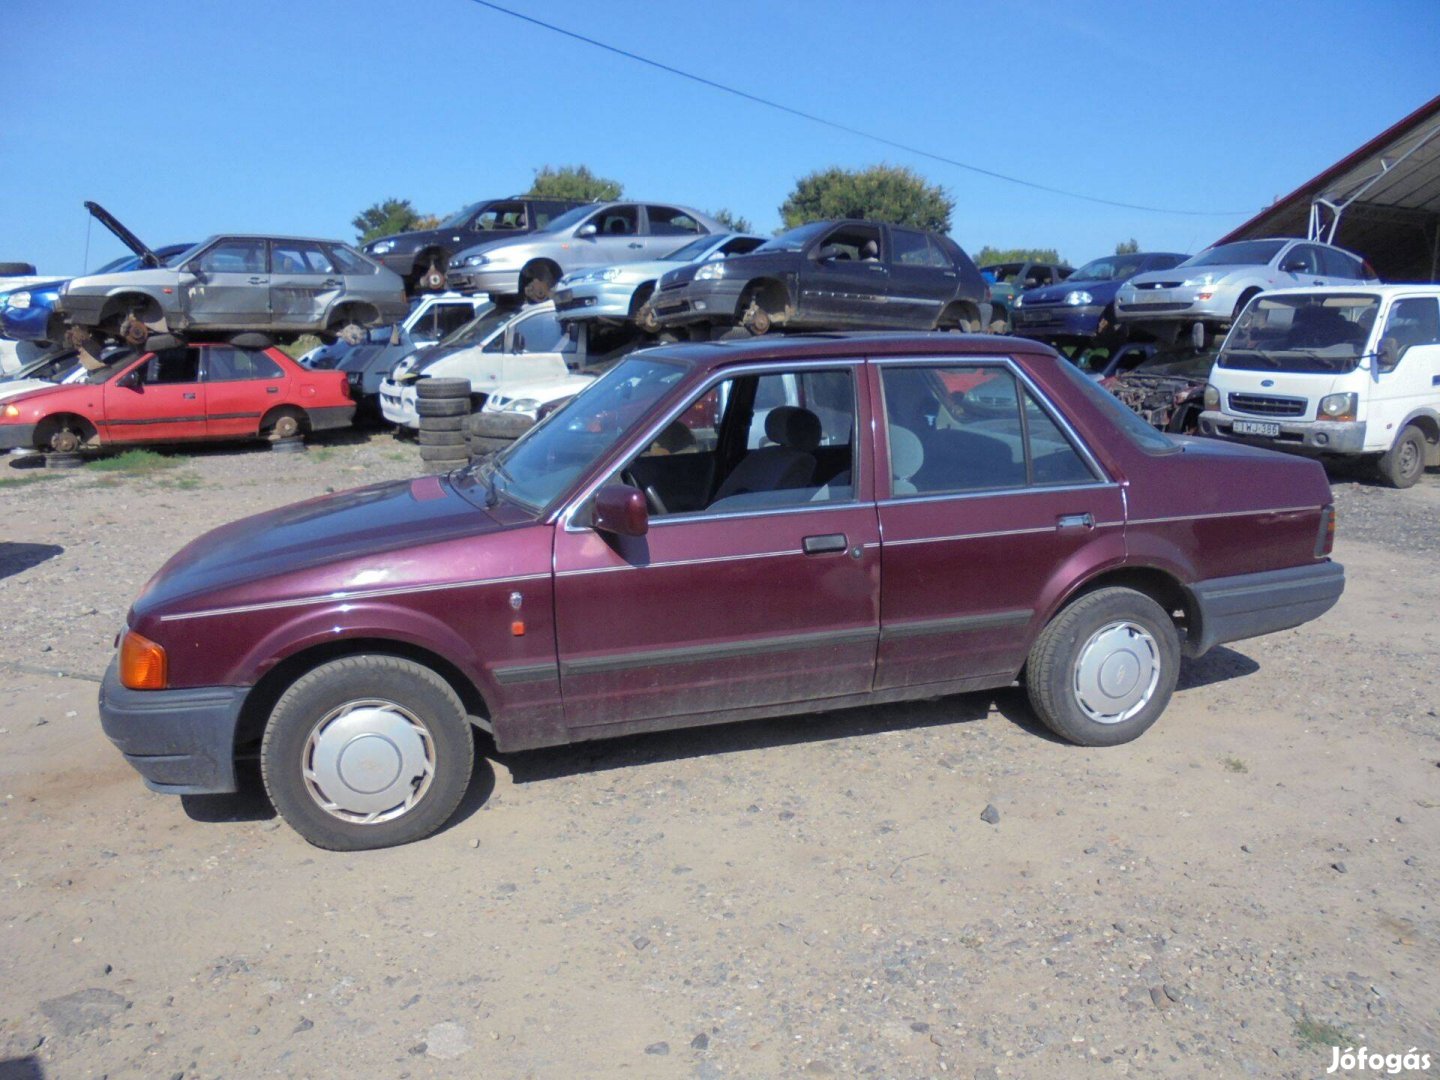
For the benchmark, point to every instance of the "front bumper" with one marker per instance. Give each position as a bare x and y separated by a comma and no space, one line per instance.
1308,437
26,324
17,436
1248,605
713,301
479,279
594,300
397,404
81,309
1179,304
181,742
1060,319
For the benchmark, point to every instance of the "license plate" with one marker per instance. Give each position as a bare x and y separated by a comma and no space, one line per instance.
1154,296
1256,427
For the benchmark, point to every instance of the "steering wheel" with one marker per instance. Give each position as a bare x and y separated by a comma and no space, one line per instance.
653,502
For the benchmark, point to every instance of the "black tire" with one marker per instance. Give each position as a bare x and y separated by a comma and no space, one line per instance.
536,282
1404,463
64,461
17,269
441,438
442,406
438,455
250,339
500,425
443,423
1116,634
294,741
487,444
437,389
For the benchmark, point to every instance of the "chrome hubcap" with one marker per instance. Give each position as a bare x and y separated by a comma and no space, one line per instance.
369,761
1116,672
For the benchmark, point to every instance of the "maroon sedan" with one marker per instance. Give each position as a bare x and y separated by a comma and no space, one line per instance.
860,519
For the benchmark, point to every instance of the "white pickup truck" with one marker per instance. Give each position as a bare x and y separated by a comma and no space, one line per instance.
1341,371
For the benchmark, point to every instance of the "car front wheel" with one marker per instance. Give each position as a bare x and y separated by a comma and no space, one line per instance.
367,752
1104,668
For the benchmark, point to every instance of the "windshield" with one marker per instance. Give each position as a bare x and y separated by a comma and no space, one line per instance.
1177,361
459,217
540,467
1114,268
794,239
1245,253
1313,334
116,361
570,217
691,251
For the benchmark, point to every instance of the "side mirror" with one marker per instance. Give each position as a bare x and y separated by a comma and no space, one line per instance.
620,509
1294,266
194,271
1388,358
131,380
587,230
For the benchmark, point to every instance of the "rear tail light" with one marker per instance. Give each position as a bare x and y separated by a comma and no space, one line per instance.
143,665
1325,539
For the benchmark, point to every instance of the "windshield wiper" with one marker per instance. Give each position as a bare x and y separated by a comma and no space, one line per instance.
1251,352
492,492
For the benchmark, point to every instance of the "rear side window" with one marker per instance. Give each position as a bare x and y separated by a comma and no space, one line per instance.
668,221
299,257
1415,321
970,427
1339,264
226,364
914,248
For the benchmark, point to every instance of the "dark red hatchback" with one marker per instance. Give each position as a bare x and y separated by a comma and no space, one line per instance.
712,533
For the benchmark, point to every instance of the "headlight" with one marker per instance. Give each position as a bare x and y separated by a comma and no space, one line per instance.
11,411
476,260
1338,407
1076,299
1212,397
711,271
1019,301
19,300
1202,279
610,273
524,404
382,247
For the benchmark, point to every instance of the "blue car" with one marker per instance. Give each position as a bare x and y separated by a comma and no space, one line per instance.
28,313
1082,307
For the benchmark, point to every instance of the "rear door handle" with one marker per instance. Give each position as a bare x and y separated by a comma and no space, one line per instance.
820,545
257,281
331,283
1075,521
272,389
188,397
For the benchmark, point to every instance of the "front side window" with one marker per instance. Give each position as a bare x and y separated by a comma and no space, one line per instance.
224,363
180,365
505,215
1301,259
617,221
668,221
299,257
963,428
1414,321
234,257
852,243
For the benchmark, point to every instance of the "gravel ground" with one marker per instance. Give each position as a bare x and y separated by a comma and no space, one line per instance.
1251,883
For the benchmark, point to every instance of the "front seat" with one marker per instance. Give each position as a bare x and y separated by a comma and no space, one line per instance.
790,463
907,455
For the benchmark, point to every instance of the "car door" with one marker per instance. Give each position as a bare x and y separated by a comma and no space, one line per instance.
984,494
304,282
230,284
844,281
668,228
160,399
616,239
241,385
761,598
1301,265
922,280
1413,324
535,346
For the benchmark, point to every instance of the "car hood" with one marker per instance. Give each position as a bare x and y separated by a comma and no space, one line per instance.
157,277
24,386
1102,291
50,285
1184,273
742,266
320,547
453,239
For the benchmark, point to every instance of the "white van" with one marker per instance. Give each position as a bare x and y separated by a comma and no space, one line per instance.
1337,371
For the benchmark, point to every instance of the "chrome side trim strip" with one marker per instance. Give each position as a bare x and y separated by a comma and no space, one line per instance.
959,625
1227,514
986,493
687,654
677,562
344,597
524,673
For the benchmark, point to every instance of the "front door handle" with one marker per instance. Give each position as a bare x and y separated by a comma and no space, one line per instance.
635,244
331,283
257,281
1075,521
820,545
272,389
188,397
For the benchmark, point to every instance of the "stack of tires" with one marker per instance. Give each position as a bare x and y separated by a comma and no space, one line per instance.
485,433
443,406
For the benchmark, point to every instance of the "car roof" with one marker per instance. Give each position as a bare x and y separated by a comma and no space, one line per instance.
845,346
1387,290
268,236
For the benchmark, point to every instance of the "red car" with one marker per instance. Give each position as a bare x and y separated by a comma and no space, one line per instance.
181,394
852,532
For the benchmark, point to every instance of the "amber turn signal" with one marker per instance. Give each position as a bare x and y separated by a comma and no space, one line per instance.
142,663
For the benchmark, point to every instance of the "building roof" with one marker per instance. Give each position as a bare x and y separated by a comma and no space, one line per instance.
1387,195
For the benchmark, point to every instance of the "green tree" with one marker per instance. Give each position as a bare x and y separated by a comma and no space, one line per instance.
387,218
1128,247
573,182
989,256
890,193
733,222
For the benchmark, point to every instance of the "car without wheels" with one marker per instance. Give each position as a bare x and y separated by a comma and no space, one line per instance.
1082,307
422,257
829,275
1008,280
179,393
809,499
282,287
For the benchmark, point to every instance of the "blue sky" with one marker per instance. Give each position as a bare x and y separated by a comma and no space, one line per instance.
187,117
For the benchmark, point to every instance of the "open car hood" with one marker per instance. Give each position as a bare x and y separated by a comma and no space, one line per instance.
124,235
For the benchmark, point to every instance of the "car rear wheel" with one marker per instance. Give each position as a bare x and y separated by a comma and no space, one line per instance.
1404,463
367,752
1104,668
434,278
536,281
